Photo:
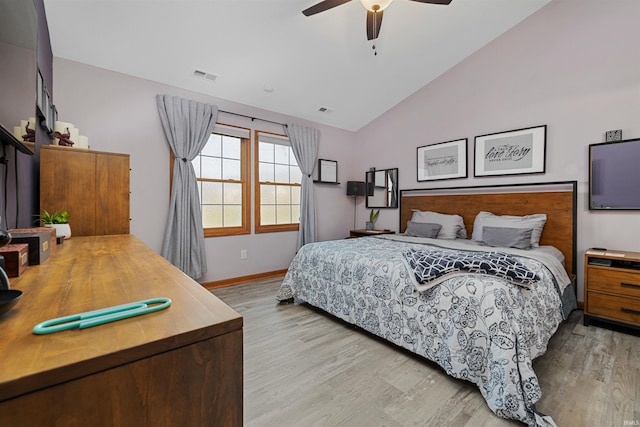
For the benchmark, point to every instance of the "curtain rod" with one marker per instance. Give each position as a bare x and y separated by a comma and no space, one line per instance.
252,118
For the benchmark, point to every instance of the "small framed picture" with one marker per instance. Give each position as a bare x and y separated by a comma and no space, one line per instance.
515,152
445,160
327,170
40,92
46,112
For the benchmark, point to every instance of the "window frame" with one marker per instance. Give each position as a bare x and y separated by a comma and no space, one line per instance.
245,180
272,228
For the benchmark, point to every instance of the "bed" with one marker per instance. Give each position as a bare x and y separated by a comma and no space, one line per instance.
482,312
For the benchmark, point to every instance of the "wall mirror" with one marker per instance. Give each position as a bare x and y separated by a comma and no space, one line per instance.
382,188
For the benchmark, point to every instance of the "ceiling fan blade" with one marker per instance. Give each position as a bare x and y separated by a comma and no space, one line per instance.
433,1
322,6
374,22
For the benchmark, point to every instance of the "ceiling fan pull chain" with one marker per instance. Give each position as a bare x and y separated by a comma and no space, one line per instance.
375,25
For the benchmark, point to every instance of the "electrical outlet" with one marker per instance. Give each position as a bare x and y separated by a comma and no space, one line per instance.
243,254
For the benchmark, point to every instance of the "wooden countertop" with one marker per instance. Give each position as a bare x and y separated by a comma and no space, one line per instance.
89,273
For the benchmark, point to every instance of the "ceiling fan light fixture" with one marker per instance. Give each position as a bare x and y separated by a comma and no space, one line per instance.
375,5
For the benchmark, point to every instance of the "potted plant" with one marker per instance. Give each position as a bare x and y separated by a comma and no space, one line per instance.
373,216
58,220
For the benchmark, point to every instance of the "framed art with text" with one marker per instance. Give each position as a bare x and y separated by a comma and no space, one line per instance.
515,152
445,160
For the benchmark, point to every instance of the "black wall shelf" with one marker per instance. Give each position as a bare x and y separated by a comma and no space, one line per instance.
325,182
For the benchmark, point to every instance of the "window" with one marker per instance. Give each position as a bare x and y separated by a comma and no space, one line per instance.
222,175
277,188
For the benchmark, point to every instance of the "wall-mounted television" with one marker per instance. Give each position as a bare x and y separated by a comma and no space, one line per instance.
614,175
18,69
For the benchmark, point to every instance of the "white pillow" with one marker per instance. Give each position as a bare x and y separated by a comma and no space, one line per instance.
536,222
452,225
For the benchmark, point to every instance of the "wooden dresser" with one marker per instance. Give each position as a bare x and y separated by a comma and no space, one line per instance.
181,366
612,287
92,185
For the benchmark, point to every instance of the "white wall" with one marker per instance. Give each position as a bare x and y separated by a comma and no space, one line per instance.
573,65
118,113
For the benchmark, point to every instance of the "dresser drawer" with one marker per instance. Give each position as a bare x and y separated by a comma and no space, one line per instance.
622,282
614,307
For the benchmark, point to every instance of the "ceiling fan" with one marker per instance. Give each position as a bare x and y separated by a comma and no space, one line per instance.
374,11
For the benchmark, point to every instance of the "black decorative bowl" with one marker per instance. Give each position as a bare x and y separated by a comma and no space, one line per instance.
8,298
5,237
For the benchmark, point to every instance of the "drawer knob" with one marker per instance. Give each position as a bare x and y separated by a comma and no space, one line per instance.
629,310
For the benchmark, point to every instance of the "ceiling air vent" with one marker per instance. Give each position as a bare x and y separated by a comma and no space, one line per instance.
204,75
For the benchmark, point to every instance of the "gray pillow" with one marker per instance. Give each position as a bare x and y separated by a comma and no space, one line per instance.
507,237
487,219
422,229
452,225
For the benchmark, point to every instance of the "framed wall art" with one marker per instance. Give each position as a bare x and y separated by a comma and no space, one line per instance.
46,112
445,160
327,171
39,92
515,152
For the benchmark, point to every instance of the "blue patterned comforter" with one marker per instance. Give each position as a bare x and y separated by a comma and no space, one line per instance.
477,327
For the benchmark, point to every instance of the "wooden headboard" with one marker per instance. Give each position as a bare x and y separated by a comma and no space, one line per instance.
556,199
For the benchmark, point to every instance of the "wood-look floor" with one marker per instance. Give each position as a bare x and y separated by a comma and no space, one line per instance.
305,368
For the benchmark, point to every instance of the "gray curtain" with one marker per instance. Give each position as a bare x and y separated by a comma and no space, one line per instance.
187,125
304,143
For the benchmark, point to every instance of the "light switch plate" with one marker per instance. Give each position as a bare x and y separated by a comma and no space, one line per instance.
613,135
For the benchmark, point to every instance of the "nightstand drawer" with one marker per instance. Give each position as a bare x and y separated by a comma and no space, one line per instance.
614,307
614,281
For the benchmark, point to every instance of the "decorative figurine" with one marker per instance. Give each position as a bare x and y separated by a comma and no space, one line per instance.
30,135
64,138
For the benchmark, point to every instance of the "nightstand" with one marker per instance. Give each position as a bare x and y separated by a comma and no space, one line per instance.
363,233
612,287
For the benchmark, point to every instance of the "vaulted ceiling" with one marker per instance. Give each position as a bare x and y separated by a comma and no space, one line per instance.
267,54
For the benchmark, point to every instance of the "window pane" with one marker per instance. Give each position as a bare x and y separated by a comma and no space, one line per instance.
283,214
267,194
232,216
223,205
295,214
296,174
279,204
231,147
282,173
211,167
232,194
196,166
213,146
283,195
230,169
267,215
211,216
266,173
199,185
281,153
295,195
265,152
211,193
